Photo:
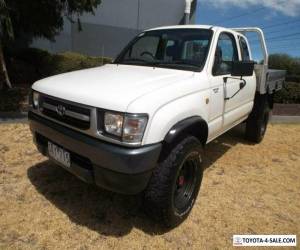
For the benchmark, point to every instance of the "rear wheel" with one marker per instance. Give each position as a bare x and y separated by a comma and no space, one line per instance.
175,183
257,122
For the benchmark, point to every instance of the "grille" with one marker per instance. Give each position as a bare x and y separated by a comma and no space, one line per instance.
70,114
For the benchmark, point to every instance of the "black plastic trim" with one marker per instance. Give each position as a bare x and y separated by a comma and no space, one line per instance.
184,125
117,168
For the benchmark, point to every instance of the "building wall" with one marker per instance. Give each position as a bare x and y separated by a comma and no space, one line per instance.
114,24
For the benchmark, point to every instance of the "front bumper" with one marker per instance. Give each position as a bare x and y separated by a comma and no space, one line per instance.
113,167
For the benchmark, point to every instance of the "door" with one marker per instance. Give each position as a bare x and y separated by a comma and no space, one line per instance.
225,53
238,101
235,106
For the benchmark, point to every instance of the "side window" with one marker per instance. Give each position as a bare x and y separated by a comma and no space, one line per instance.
226,53
244,50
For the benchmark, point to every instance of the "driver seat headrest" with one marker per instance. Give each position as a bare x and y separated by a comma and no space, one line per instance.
171,51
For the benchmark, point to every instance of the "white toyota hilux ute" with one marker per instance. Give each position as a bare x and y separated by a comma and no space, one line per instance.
139,124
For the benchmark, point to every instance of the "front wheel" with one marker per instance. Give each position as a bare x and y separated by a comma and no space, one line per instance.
175,183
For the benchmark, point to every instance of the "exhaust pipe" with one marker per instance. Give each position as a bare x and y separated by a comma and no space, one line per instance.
187,11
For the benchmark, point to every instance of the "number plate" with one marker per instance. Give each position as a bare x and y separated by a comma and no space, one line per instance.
58,154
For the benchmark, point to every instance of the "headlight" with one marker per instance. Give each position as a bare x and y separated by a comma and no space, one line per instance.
35,99
129,128
113,123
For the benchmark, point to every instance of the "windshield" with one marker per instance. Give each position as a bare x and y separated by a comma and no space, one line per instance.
184,49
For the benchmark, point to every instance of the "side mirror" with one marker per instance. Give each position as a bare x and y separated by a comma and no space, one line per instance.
242,68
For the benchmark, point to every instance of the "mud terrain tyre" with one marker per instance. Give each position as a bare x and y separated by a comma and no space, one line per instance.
175,183
258,120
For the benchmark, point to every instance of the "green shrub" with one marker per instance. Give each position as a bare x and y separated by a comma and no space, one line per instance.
70,61
31,64
293,78
15,99
285,62
289,94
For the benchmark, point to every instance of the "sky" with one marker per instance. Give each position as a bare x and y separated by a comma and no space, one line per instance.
279,19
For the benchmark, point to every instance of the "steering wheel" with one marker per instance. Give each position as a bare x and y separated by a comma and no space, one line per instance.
148,54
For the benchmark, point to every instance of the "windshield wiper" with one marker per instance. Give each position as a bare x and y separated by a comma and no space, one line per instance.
176,64
133,60
185,63
158,63
140,61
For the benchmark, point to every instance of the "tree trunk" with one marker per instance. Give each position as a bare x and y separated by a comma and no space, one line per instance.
5,78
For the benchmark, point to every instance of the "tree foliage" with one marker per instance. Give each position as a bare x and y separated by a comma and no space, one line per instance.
36,18
291,92
285,62
23,20
6,28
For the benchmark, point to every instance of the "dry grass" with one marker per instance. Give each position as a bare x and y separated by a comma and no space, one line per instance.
247,189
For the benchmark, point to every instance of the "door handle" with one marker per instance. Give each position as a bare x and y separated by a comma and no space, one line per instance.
242,84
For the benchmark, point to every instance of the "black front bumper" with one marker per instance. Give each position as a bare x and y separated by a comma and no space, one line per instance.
116,168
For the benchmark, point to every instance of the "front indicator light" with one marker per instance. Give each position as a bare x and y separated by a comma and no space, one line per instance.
134,128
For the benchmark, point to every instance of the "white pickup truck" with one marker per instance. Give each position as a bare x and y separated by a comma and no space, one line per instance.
140,123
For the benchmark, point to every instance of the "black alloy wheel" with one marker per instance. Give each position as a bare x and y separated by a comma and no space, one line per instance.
186,183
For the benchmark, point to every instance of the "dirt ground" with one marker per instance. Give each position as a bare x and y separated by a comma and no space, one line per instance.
247,189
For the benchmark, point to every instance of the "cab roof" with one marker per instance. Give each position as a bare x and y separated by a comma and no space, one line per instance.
183,27
195,26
